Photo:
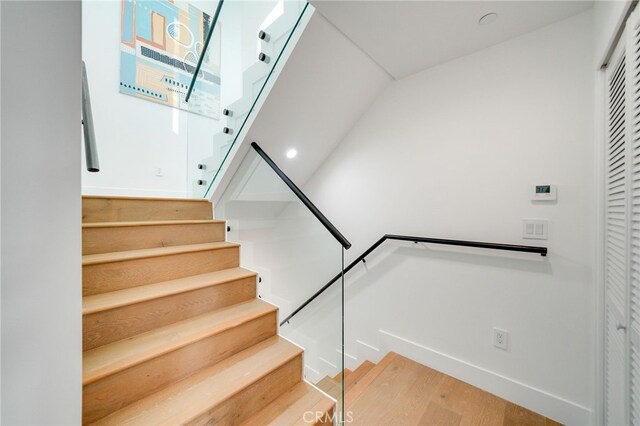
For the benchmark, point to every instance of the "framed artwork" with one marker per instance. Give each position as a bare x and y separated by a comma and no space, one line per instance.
160,43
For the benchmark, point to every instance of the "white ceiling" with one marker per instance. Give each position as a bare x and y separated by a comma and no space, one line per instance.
405,37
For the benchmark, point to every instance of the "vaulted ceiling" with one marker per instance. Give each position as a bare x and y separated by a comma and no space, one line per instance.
405,37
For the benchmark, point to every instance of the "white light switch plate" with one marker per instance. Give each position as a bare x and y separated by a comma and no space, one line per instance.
535,229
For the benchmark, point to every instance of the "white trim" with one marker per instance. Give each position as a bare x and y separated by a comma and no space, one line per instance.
538,400
350,361
598,270
616,34
368,352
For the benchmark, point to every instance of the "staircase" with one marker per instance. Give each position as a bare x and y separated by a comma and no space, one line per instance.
399,391
172,330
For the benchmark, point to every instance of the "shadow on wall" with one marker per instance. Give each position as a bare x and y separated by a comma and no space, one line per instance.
391,258
394,257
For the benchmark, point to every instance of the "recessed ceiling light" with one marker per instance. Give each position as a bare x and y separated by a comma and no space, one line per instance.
291,153
487,19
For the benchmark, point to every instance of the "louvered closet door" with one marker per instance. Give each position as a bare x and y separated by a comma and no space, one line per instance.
617,235
633,296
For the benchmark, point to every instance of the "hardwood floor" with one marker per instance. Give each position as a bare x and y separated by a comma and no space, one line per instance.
399,391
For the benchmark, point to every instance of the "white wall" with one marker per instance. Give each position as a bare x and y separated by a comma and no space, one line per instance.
452,152
608,17
41,214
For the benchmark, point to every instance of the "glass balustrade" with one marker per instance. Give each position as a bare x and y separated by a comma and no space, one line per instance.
247,43
294,253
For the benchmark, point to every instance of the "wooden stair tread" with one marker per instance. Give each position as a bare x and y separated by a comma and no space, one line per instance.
122,197
149,223
338,377
187,399
354,377
129,296
331,387
290,408
117,356
354,393
94,259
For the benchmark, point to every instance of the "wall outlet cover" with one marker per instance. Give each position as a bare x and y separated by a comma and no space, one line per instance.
501,339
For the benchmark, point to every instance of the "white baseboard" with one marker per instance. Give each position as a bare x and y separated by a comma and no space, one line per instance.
369,352
312,375
350,361
542,402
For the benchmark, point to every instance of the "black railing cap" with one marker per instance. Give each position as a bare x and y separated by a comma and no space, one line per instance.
301,195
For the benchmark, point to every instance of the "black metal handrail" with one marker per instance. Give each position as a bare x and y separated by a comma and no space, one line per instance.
362,258
305,200
204,49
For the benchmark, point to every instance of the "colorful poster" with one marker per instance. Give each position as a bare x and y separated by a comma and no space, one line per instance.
160,43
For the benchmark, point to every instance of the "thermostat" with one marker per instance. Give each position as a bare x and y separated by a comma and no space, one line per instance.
544,193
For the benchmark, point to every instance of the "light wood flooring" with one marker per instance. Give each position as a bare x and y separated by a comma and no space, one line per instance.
399,391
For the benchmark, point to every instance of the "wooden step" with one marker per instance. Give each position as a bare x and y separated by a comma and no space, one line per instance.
300,405
354,393
107,272
354,377
409,382
331,387
228,392
116,315
127,209
338,377
105,237
122,372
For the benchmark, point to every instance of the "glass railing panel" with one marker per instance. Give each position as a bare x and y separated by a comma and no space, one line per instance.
318,329
248,42
293,253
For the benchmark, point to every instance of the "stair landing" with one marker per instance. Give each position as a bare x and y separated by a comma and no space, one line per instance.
399,391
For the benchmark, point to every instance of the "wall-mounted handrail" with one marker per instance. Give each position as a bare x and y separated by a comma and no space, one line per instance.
204,49
362,258
305,200
90,149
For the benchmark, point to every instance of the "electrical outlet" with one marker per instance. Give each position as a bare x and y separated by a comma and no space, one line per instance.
500,338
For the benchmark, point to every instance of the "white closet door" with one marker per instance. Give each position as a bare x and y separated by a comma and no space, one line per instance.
632,320
617,248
